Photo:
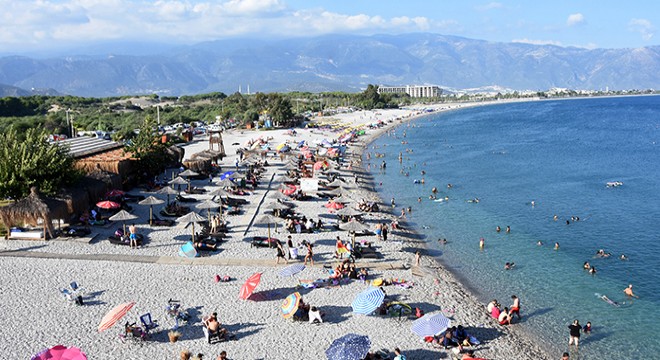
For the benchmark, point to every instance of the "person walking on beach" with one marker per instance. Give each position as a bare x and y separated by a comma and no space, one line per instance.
310,253
574,329
418,257
384,231
280,253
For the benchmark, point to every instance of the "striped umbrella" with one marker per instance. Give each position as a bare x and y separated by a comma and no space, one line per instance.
114,315
429,325
292,270
368,301
349,347
290,305
249,286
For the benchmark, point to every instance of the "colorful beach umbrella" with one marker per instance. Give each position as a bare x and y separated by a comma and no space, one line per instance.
368,301
291,270
61,352
290,305
430,325
114,315
289,190
107,204
333,205
250,284
349,347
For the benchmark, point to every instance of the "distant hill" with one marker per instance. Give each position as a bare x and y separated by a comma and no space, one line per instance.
9,90
336,62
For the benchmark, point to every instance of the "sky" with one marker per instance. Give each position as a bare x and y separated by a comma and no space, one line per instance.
35,25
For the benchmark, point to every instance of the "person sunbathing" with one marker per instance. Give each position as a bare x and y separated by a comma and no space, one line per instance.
214,326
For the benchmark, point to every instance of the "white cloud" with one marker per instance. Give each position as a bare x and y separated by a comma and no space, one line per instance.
575,19
537,42
642,26
489,6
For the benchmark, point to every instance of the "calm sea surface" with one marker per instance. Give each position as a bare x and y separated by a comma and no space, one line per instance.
559,155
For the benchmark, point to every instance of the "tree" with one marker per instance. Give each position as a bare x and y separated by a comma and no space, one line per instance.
280,111
148,150
33,161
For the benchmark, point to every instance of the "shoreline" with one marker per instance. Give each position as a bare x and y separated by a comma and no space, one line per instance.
441,269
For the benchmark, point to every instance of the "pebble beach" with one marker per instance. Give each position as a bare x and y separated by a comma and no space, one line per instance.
36,316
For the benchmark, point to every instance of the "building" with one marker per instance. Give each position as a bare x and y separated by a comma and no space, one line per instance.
416,91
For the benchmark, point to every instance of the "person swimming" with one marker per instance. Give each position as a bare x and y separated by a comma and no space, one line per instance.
592,270
498,228
623,257
586,265
509,265
539,243
556,246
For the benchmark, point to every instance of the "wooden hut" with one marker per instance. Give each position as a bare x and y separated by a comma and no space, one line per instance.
34,210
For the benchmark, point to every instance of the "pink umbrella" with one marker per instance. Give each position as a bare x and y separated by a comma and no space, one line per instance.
115,193
289,190
320,165
249,286
108,205
60,352
333,205
114,315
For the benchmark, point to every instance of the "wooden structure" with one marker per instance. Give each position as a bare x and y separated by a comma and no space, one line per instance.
215,138
34,210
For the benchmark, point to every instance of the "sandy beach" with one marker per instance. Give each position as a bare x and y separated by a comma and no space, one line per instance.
37,317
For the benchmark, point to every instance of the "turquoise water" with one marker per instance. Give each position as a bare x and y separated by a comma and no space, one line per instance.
560,155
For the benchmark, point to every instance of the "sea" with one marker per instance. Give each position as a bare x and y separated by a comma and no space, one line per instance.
541,168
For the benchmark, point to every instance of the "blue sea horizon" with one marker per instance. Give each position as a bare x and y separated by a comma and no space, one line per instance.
527,163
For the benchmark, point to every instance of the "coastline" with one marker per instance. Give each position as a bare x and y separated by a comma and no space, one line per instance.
257,322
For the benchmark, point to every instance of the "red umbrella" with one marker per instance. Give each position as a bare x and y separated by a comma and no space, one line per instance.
60,352
289,190
114,315
320,165
333,205
115,193
108,205
249,286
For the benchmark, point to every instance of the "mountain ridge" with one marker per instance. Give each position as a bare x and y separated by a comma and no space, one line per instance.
335,63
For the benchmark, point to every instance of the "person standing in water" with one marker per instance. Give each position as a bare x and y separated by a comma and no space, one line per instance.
482,243
628,291
574,329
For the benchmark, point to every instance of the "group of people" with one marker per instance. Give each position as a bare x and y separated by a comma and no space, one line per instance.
504,316
302,225
574,332
381,231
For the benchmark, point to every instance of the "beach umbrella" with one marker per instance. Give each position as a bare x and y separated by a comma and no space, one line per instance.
122,216
277,195
226,182
290,305
335,183
114,315
320,165
268,219
188,173
61,352
220,192
167,190
151,201
334,205
107,204
249,286
179,181
349,211
191,218
280,146
208,205
289,189
114,193
430,325
276,206
227,175
349,347
291,270
368,301
353,227
238,175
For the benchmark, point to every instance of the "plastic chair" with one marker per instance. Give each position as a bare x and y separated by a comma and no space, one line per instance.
147,322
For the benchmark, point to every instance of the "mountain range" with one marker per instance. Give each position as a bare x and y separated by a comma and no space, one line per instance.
331,63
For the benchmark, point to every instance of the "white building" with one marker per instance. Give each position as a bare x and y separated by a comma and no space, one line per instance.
416,91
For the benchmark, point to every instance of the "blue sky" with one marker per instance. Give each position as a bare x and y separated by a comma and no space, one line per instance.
33,25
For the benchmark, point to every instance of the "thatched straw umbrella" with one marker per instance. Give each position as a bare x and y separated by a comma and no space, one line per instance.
31,209
151,201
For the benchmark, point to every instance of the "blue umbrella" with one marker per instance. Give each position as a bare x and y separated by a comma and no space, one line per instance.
301,144
429,325
292,270
368,301
226,175
349,347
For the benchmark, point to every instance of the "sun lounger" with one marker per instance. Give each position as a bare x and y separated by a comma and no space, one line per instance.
124,240
261,241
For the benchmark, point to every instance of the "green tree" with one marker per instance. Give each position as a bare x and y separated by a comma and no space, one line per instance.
33,161
148,150
280,111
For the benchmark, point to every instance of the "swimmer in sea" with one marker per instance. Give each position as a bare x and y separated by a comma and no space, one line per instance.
623,257
592,270
482,243
555,218
434,190
509,266
449,186
586,265
628,291
498,228
442,241
508,229
539,243
556,246
419,199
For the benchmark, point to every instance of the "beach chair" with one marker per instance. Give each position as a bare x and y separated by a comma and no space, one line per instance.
74,294
147,322
188,250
